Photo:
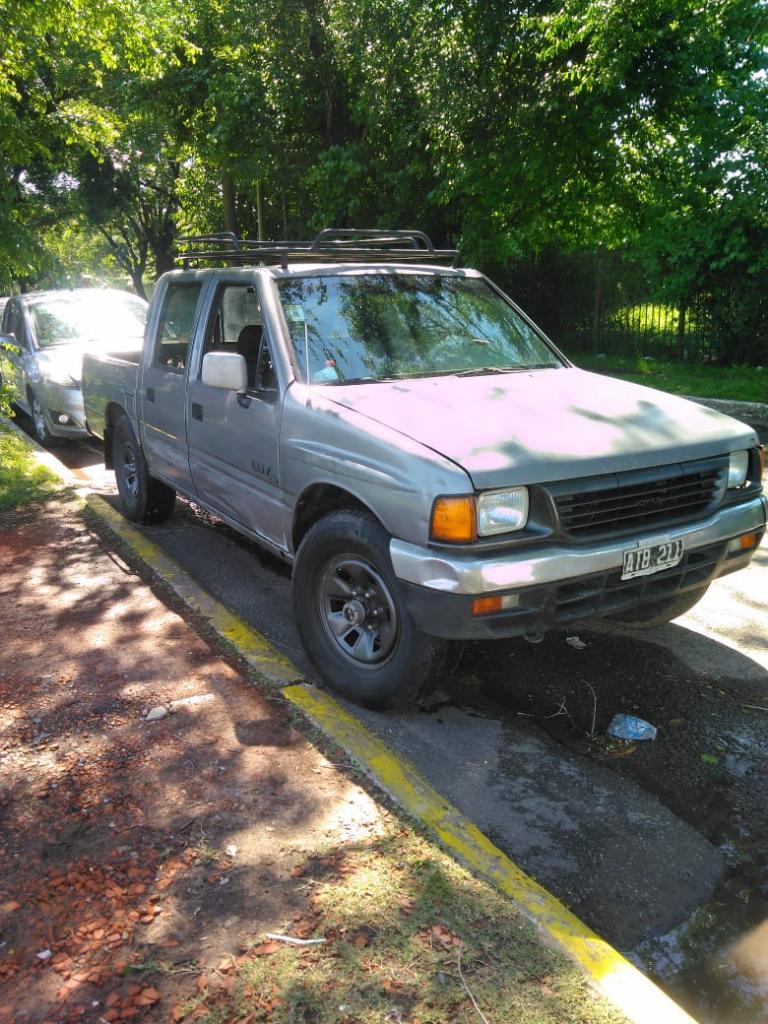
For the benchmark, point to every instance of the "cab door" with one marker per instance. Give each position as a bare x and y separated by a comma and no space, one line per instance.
234,439
162,398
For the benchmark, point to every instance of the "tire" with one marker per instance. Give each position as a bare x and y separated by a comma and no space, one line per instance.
143,498
659,612
351,615
39,426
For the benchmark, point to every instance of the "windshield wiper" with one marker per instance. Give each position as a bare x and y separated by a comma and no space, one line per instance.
478,370
361,380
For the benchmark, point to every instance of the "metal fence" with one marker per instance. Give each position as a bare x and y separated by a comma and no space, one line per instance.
602,302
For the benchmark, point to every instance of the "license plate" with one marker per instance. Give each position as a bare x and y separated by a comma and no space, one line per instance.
651,558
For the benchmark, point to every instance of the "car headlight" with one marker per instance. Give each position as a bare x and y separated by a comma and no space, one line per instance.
738,465
502,511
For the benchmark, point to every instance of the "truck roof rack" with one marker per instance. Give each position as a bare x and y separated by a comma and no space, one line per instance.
332,245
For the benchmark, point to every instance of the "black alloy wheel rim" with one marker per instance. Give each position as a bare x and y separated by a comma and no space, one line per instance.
128,470
358,611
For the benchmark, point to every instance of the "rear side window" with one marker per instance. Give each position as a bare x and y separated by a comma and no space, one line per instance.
14,323
177,321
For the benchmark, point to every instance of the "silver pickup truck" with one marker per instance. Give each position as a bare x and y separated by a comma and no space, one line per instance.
434,468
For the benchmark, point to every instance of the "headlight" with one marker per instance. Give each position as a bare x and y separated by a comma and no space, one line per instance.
738,464
502,511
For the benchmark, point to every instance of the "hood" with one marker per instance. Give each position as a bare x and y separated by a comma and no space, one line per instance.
545,425
61,364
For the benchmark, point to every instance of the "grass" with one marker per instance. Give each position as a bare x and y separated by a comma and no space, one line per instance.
398,914
22,479
700,380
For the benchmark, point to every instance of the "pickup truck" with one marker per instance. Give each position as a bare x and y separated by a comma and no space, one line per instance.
434,468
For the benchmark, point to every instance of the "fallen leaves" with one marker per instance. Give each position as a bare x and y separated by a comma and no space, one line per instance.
440,935
79,917
265,948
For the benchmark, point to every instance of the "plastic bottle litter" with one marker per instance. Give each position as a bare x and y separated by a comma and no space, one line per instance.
576,642
628,727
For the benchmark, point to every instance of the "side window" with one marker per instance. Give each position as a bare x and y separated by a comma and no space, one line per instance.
14,321
177,320
236,326
266,378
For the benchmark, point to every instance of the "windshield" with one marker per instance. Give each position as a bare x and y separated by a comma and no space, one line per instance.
103,319
351,328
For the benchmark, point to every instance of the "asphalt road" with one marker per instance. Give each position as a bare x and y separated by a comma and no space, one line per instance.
660,847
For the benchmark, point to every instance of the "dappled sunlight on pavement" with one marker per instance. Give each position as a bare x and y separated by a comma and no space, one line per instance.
135,854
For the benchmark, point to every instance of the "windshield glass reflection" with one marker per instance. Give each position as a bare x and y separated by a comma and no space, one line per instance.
98,318
372,327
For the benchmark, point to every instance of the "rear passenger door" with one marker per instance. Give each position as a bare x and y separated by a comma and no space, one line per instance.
233,439
162,398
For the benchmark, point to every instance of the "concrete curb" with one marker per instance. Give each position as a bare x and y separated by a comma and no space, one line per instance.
747,412
622,984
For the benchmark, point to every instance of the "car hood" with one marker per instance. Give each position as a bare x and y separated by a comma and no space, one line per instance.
66,359
535,426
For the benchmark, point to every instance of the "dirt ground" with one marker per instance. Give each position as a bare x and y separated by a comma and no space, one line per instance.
141,860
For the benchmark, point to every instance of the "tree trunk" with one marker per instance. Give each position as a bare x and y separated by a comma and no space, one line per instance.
228,203
137,276
259,213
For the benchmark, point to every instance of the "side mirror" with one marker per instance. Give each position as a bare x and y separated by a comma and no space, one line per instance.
8,341
225,370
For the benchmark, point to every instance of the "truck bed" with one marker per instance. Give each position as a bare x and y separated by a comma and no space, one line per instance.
108,379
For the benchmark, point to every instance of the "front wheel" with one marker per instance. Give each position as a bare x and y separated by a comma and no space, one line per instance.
659,612
143,498
39,425
351,615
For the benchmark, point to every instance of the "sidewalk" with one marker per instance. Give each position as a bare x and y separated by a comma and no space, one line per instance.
142,862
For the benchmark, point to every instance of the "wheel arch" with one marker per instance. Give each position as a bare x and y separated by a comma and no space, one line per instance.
112,413
318,500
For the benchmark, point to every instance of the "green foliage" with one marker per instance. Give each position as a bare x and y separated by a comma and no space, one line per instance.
6,392
22,479
703,380
514,131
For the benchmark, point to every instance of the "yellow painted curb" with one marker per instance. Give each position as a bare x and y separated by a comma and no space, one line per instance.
622,983
256,650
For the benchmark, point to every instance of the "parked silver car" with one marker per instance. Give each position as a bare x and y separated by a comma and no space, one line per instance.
45,336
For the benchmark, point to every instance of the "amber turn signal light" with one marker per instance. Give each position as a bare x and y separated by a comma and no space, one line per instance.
454,519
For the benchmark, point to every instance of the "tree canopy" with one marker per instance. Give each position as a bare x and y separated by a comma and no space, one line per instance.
518,131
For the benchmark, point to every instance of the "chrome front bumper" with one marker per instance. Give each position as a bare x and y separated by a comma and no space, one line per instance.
516,569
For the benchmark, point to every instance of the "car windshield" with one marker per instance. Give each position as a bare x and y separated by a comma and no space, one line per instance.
103,319
349,328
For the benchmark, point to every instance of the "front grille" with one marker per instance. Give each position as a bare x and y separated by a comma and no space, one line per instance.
632,501
605,593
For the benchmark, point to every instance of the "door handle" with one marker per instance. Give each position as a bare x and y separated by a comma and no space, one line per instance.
150,394
197,411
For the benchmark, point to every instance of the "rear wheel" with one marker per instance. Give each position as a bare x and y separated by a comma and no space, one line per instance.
143,498
351,615
659,612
